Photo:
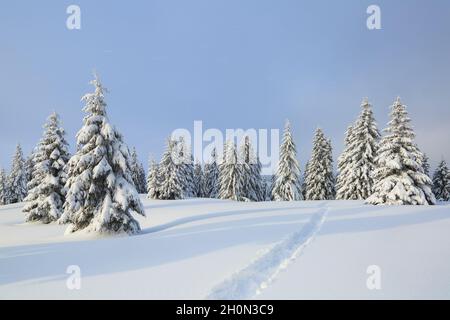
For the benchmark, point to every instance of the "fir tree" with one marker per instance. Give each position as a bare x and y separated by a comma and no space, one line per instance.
152,180
198,180
211,177
47,194
17,180
29,165
399,176
171,183
250,167
320,178
138,173
287,184
229,175
101,195
441,182
3,187
355,180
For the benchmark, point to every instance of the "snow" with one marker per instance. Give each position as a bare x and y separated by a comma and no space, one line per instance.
209,248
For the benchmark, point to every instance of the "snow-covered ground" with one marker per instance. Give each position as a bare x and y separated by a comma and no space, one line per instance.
207,249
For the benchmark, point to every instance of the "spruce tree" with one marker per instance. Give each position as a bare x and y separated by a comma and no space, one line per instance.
101,195
250,172
441,182
211,177
3,187
198,180
46,189
171,183
138,173
426,164
229,175
357,163
17,180
152,180
320,178
287,184
399,176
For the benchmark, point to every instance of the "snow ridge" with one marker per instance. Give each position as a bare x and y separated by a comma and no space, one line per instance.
258,275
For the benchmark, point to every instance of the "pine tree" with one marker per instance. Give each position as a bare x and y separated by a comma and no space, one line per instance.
250,172
320,178
29,165
399,177
355,180
101,195
138,173
47,194
426,165
344,164
185,168
152,180
3,187
229,175
198,180
17,180
211,177
171,183
287,184
441,182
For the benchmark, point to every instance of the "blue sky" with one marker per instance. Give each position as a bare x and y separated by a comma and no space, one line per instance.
230,63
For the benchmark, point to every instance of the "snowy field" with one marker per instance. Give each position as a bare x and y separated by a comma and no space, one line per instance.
206,248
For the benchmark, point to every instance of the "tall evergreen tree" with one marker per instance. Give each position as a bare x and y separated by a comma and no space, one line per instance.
320,177
441,182
344,164
153,180
3,187
355,180
211,177
138,173
17,180
250,172
47,194
101,195
399,176
198,180
229,175
287,185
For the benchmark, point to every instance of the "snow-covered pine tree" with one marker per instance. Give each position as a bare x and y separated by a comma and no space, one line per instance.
304,179
211,177
198,180
320,178
3,187
46,194
399,177
152,180
344,164
441,182
229,175
17,180
171,183
29,167
426,164
355,180
138,173
287,185
185,168
101,196
250,172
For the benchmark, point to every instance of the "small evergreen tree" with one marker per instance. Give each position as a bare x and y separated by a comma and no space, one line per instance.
101,196
250,168
287,184
426,165
171,183
3,187
152,180
441,182
138,173
47,194
399,176
229,175
211,177
17,180
320,178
